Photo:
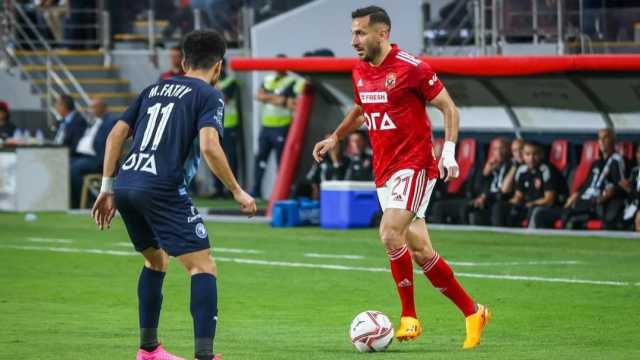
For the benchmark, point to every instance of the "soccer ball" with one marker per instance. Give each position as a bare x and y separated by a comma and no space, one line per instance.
371,331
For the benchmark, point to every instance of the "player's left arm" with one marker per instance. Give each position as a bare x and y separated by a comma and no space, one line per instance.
447,107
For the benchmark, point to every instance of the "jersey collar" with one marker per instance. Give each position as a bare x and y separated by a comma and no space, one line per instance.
390,56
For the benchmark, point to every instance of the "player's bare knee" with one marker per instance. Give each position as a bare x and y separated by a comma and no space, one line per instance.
206,268
420,256
391,237
156,260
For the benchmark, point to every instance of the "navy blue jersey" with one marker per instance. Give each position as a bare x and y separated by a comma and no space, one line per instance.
166,119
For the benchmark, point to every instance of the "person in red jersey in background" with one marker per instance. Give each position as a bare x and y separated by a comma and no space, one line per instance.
391,90
175,58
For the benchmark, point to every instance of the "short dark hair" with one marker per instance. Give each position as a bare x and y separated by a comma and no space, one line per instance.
377,15
535,145
68,102
202,49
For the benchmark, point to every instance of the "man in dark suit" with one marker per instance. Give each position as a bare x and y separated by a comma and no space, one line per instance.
72,126
89,153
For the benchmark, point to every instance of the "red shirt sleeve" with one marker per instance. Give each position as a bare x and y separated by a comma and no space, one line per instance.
427,82
355,78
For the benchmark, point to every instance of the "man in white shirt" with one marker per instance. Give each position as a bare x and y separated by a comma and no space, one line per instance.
89,152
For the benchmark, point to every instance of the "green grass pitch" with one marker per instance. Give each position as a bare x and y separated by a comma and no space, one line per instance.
68,291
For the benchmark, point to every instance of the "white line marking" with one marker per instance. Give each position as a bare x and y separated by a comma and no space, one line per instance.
235,251
334,256
215,249
49,240
514,263
330,267
72,250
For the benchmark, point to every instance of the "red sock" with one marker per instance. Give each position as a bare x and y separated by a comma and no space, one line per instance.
441,276
402,272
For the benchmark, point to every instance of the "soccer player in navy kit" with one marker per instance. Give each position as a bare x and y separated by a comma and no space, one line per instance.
171,122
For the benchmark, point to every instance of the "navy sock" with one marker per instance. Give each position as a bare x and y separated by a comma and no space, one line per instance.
149,305
204,310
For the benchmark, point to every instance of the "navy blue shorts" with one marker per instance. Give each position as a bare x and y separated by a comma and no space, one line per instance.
167,221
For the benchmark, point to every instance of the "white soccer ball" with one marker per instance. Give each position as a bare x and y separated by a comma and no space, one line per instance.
371,331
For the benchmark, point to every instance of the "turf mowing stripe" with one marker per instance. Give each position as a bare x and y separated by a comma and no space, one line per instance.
332,256
330,267
49,240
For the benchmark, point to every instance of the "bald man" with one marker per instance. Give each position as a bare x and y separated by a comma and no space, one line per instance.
601,197
89,152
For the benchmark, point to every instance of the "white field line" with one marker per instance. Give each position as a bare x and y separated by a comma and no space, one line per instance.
215,250
331,267
124,244
334,256
514,263
235,251
49,240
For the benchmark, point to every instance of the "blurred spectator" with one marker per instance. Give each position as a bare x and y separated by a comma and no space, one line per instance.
181,19
359,167
72,125
89,153
601,196
632,188
478,211
79,28
54,12
278,96
537,185
175,59
6,127
516,161
217,15
231,141
332,167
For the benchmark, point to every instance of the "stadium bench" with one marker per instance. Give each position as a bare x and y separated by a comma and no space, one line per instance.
590,153
466,159
625,148
559,155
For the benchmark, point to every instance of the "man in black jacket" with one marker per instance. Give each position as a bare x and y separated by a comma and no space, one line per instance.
537,185
632,188
72,126
601,196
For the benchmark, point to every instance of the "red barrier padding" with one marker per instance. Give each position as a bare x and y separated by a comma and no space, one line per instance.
292,148
595,224
455,65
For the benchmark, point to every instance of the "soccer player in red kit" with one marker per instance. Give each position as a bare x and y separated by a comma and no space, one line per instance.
391,90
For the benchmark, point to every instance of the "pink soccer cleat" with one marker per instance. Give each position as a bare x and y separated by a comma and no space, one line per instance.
158,354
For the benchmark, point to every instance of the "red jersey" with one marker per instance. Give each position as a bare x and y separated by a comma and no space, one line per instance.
393,97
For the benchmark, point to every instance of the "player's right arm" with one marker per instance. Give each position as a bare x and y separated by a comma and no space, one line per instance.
214,156
349,124
104,208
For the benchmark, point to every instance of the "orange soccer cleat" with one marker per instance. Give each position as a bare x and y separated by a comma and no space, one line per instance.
475,324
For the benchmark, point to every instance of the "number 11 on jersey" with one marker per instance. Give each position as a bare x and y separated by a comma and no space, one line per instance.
146,162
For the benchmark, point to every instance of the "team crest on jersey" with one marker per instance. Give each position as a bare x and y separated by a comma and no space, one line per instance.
360,83
201,231
390,81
